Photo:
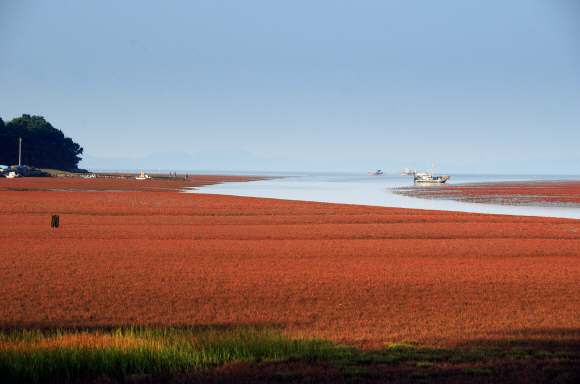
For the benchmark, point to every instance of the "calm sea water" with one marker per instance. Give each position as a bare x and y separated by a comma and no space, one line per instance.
362,189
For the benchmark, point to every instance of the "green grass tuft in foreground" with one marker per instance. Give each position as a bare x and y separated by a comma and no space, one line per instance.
35,356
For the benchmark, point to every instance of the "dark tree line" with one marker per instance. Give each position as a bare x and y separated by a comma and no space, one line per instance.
43,146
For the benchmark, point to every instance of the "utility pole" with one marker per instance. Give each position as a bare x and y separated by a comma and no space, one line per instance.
20,152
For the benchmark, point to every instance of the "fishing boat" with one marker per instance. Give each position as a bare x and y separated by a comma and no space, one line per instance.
376,172
406,172
143,176
429,177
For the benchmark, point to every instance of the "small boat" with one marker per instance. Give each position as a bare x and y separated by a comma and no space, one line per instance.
143,176
376,172
12,175
406,172
91,176
429,177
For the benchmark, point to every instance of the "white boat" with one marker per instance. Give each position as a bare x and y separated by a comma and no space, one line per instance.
91,176
429,177
13,175
376,172
143,176
406,172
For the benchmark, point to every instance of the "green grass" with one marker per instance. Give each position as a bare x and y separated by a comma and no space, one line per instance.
42,356
25,356
477,372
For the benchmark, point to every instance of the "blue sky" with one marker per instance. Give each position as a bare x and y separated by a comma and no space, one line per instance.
441,81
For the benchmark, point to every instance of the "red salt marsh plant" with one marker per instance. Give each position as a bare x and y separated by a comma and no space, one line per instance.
355,274
154,184
559,193
363,276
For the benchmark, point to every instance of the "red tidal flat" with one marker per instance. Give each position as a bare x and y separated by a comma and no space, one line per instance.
543,193
348,273
112,184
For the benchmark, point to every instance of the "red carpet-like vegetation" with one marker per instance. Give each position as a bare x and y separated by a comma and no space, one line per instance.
112,184
539,193
355,274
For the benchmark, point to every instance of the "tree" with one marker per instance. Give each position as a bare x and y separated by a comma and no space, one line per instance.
43,146
7,150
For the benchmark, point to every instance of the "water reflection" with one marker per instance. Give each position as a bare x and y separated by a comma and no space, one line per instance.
362,189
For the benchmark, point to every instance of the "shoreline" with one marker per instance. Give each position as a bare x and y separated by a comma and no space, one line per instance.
378,192
540,193
118,182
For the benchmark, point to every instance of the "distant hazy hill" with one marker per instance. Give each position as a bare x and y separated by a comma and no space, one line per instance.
240,160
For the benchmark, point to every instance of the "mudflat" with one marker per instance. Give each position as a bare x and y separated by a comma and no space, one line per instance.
529,193
364,277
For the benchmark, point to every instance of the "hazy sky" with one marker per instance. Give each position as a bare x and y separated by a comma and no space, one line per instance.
441,81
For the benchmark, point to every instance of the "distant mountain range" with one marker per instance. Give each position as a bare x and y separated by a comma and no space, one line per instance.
236,160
